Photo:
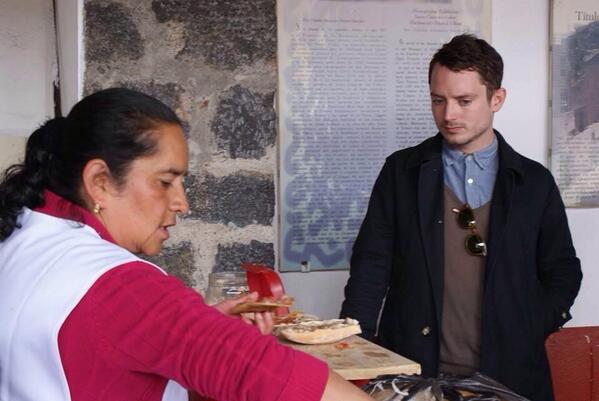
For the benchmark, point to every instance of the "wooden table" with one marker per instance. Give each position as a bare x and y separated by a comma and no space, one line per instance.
360,359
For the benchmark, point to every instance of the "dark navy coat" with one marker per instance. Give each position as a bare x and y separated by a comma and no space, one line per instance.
532,273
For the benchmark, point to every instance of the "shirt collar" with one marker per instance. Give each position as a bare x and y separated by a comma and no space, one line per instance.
451,155
57,206
482,157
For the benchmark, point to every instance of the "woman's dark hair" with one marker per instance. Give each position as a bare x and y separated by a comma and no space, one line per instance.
467,52
114,125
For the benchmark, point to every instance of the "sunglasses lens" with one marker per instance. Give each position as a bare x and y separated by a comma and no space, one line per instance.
466,218
476,245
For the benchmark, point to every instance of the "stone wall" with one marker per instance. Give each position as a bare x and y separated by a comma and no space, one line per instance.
214,63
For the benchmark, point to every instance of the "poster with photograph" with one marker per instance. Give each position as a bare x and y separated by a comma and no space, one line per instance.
353,88
575,104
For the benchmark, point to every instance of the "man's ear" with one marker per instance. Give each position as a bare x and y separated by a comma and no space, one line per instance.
97,183
498,99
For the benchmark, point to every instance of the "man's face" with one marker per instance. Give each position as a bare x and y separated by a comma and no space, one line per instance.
462,111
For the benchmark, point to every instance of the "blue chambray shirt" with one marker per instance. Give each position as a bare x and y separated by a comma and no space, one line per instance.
471,177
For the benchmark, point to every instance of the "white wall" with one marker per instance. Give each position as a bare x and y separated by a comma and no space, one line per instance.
69,16
27,72
27,67
520,33
317,293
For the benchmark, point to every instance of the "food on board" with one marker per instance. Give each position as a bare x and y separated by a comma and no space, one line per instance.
263,305
293,317
319,331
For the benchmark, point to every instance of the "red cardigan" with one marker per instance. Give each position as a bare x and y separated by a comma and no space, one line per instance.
136,327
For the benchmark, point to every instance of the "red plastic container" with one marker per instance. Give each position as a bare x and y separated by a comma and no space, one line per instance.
266,282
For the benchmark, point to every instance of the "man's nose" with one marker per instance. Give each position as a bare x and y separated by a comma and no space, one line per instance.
451,110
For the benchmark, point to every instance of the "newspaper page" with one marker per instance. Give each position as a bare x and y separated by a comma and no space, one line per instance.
575,101
353,88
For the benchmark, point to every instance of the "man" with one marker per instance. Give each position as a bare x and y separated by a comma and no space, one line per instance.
465,240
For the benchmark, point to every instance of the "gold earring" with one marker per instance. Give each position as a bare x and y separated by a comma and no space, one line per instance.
96,208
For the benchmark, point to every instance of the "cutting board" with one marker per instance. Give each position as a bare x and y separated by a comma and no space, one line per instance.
359,359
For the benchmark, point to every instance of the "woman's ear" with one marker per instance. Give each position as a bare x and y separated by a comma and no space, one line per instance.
97,184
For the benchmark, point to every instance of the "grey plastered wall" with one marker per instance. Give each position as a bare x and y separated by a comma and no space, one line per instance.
214,63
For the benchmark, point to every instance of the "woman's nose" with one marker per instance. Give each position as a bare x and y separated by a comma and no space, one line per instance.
179,202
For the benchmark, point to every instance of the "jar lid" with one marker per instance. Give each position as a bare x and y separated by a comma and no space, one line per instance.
227,278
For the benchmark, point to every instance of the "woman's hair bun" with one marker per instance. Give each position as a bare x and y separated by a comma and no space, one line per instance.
44,142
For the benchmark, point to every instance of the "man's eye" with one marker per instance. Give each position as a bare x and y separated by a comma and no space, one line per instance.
165,184
437,101
465,102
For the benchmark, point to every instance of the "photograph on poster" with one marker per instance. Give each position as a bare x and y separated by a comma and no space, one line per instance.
575,109
353,88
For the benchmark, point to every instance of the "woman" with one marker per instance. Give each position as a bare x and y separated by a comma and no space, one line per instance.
82,317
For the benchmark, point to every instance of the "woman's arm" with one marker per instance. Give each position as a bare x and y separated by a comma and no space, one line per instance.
136,320
338,389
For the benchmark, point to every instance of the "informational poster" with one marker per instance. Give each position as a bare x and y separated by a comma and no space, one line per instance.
575,101
353,88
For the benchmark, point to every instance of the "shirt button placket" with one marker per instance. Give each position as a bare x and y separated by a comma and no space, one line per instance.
468,170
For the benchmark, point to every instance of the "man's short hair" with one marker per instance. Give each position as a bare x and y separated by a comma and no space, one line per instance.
467,52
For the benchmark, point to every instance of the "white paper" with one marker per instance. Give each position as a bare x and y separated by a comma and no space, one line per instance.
575,101
353,82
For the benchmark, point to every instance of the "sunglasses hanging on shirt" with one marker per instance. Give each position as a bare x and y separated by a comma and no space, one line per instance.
475,245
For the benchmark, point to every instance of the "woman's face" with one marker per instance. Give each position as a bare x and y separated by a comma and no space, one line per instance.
139,214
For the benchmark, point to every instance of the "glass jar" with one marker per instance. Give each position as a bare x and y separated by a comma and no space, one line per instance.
225,285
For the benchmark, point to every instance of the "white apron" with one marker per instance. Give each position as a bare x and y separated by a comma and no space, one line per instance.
46,267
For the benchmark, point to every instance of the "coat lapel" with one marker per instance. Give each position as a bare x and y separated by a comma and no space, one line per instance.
500,207
430,214
510,169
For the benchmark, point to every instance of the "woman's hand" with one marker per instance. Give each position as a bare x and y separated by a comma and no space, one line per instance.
262,320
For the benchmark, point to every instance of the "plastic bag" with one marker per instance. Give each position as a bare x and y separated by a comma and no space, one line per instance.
477,387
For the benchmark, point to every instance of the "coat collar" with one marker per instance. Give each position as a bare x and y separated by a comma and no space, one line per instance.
428,150
509,159
432,148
